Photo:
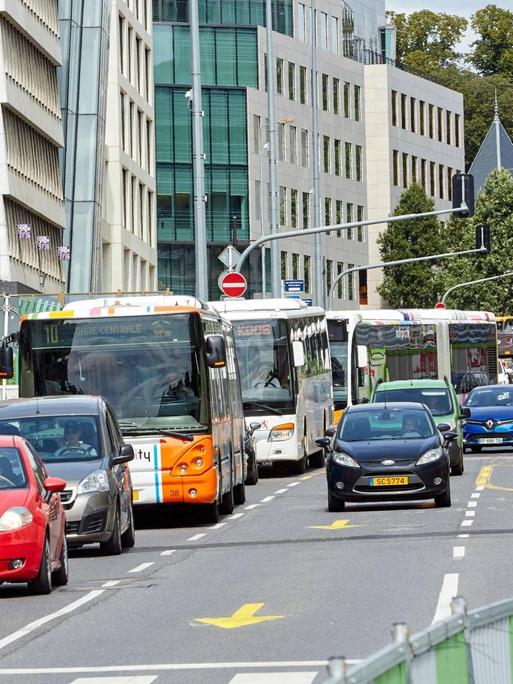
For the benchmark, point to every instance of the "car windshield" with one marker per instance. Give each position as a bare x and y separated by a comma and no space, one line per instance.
437,400
385,424
488,396
58,438
12,470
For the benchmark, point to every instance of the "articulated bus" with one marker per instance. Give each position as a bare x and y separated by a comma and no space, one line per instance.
505,336
168,367
419,343
283,352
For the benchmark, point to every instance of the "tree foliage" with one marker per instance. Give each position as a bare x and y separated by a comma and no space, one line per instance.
411,285
494,207
493,50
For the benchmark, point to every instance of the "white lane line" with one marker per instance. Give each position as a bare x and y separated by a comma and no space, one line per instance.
217,526
32,626
475,495
479,489
168,552
235,516
458,552
111,583
470,514
467,523
251,507
293,484
267,499
195,537
142,567
464,536
447,592
116,680
274,678
281,491
472,504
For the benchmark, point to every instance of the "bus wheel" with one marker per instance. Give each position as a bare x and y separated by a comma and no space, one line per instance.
239,493
299,467
228,501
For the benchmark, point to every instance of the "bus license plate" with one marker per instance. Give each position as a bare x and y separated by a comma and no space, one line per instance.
388,481
490,440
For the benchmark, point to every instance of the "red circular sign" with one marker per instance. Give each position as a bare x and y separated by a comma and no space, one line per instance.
439,305
233,284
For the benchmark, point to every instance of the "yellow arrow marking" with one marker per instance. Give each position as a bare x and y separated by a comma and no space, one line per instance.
243,617
337,525
484,477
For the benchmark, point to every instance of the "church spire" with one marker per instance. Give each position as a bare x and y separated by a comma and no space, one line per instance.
496,122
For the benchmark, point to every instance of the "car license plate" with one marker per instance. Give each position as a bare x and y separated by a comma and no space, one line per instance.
388,481
490,440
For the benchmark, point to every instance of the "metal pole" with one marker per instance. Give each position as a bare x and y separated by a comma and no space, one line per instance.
273,179
198,159
6,332
318,293
262,220
475,282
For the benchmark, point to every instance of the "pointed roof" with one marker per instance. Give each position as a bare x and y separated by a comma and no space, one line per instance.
496,152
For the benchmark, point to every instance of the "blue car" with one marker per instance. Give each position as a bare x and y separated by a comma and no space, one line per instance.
491,417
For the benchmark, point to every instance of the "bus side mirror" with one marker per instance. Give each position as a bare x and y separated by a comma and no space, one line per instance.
298,353
216,351
6,362
362,357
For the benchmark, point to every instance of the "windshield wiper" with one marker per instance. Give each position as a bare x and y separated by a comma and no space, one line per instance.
133,429
259,404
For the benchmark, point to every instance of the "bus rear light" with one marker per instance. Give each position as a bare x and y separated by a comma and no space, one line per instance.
193,493
279,433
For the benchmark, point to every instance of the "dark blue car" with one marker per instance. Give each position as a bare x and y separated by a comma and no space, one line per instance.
391,451
491,417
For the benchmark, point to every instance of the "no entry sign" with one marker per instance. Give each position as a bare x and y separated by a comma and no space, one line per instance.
233,284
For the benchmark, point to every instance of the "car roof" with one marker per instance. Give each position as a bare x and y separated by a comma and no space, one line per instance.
11,440
389,405
407,384
74,404
503,387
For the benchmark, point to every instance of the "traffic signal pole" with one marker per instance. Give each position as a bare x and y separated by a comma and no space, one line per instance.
475,282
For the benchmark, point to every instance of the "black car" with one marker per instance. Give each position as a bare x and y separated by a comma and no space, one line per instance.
250,452
391,451
79,440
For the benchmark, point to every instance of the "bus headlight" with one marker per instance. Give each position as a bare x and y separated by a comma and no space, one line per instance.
279,433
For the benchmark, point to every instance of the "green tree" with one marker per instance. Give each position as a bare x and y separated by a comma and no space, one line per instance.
494,208
493,50
411,285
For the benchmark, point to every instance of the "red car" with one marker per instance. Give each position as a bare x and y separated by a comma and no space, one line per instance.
32,520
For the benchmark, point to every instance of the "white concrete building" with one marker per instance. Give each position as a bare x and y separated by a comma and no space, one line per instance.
30,138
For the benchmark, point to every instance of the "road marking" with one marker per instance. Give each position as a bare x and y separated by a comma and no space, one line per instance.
470,514
195,537
251,507
306,477
448,591
464,536
479,489
242,617
116,680
472,504
236,516
467,523
293,484
484,477
143,566
111,583
168,552
458,552
217,526
475,495
281,491
267,499
32,626
335,525
274,678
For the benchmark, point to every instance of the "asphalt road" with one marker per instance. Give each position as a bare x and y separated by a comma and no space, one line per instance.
323,583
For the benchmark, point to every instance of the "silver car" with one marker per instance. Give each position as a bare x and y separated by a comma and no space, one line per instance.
79,440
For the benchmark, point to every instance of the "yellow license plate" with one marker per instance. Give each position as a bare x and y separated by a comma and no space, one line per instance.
388,481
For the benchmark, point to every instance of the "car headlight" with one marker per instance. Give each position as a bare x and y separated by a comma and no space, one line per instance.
279,433
15,518
344,459
94,482
430,456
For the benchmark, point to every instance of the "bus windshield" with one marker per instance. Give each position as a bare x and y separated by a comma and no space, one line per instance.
149,367
264,360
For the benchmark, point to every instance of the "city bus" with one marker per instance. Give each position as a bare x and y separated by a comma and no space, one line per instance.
505,337
283,353
168,367
390,344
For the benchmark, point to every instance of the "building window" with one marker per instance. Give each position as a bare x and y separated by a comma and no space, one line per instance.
457,130
432,190
349,219
265,71
335,93
302,85
335,42
405,170
323,31
301,22
256,134
395,167
350,283
293,208
329,274
283,260
281,142
279,76
448,127
340,268
295,266
439,123
422,116
327,211
326,145
338,163
357,103
360,217
358,162
423,173
293,144
292,81
431,121
306,272
325,94
348,159
441,180
403,110
413,169
394,107
283,205
413,112
121,30
304,148
339,218
306,210
449,183
347,100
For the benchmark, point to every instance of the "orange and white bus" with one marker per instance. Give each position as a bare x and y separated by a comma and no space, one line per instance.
168,366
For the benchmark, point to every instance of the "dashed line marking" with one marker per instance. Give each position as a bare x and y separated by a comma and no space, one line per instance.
472,504
470,514
306,477
111,583
458,552
267,499
217,526
251,507
293,484
140,568
168,552
467,523
447,592
475,495
281,491
197,536
479,489
236,516
464,536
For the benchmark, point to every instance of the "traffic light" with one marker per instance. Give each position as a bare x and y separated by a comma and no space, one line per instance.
483,238
6,362
463,194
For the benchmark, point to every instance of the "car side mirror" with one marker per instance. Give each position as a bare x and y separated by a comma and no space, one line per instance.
465,412
254,426
329,432
298,353
449,436
54,484
323,442
126,453
443,427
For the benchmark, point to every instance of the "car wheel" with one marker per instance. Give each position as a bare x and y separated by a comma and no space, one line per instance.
335,505
42,584
444,500
128,536
239,493
317,460
476,449
60,576
113,546
252,477
459,467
